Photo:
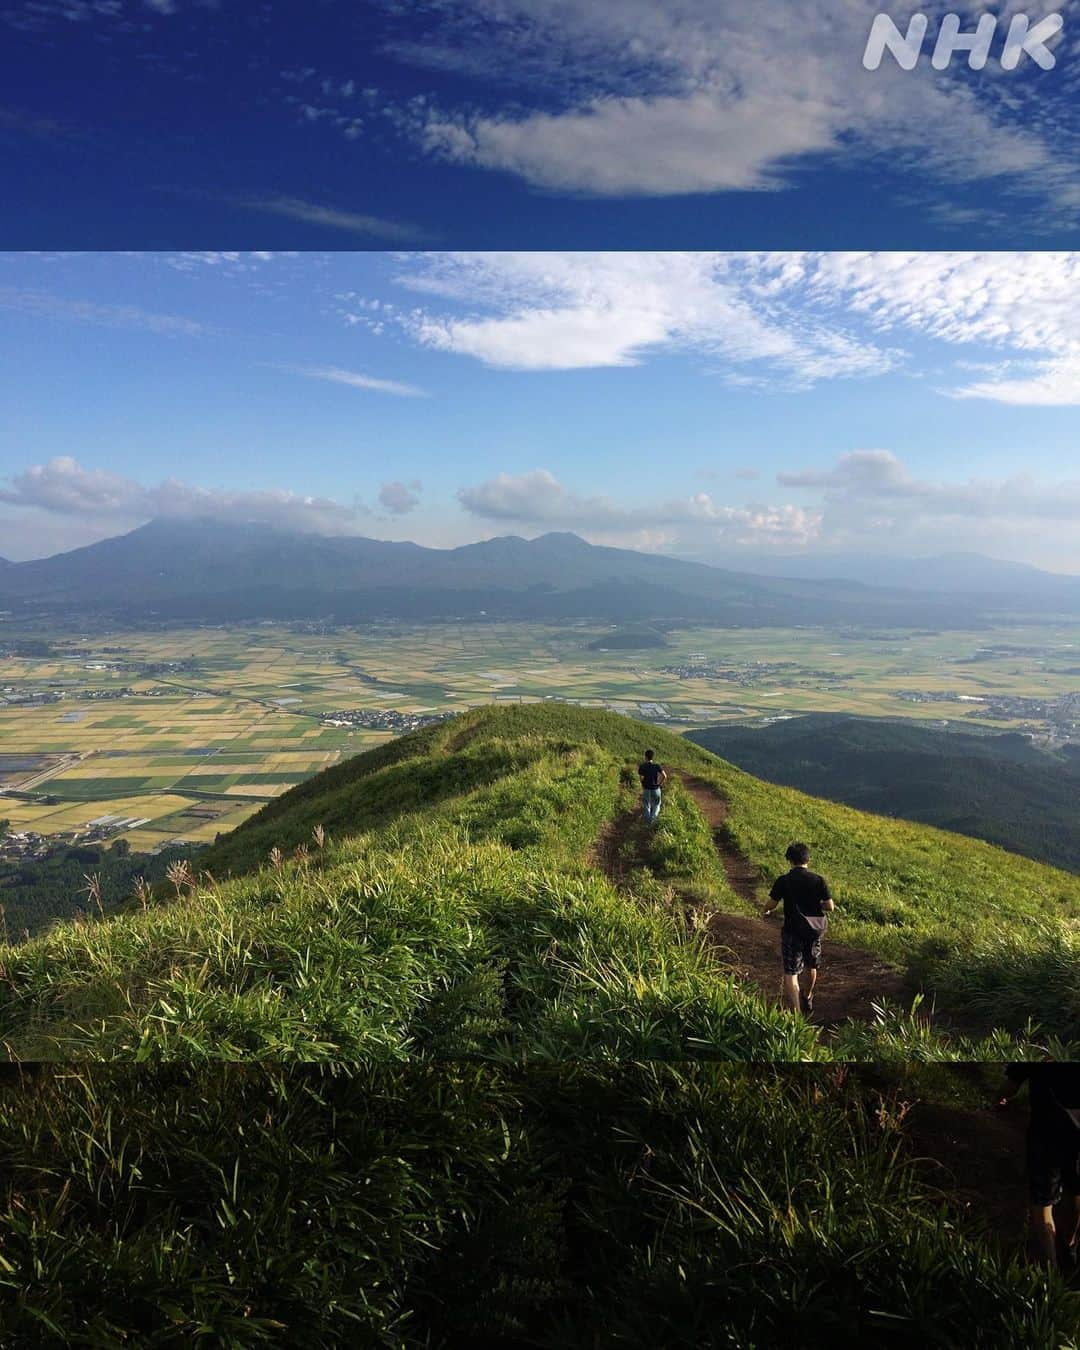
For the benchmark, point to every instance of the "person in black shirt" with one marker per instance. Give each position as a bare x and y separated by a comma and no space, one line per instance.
806,901
1053,1155
652,775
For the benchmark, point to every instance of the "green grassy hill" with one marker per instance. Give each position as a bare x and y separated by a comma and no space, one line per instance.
442,896
514,1133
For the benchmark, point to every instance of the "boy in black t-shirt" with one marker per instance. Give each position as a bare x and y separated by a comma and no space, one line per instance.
652,775
1053,1154
806,901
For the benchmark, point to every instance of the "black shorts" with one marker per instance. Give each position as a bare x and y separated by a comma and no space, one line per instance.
799,951
1053,1157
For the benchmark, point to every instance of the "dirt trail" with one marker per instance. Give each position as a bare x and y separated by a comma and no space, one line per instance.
975,1158
978,1159
607,853
850,980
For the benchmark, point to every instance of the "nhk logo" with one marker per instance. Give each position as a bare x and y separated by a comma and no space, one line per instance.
1022,38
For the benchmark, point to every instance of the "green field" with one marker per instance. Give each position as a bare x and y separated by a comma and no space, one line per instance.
249,703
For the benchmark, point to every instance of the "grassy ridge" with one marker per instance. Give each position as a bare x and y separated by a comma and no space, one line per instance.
642,1204
479,930
453,909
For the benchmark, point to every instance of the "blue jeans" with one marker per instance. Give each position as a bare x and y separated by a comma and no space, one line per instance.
650,804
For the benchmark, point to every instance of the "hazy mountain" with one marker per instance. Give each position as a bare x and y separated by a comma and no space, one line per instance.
1000,788
214,571
993,579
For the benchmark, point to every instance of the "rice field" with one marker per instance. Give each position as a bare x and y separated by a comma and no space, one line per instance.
234,715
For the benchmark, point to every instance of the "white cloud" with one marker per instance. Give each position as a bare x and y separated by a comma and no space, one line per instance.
657,97
636,146
400,498
62,486
38,14
355,380
1012,319
870,496
1026,305
537,498
224,260
32,14
865,499
1055,384
562,311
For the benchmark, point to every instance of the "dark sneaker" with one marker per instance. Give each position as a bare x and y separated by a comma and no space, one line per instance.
807,1003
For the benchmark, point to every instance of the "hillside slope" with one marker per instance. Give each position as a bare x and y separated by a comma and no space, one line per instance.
442,895
999,788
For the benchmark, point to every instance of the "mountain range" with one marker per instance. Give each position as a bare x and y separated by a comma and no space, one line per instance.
991,579
206,570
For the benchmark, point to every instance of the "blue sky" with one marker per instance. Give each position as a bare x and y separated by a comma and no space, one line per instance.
713,405
523,123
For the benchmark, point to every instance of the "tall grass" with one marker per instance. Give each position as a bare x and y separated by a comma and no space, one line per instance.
419,942
411,1206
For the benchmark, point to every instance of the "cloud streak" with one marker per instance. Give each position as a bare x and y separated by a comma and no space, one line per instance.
44,305
334,218
354,379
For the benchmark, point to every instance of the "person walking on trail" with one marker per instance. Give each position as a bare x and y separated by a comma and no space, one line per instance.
1053,1156
652,776
807,901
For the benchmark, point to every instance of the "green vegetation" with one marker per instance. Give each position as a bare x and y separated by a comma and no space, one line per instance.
516,1129
999,788
40,892
104,789
674,1205
438,897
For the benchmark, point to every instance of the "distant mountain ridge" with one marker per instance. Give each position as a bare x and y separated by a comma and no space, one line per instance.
204,570
958,573
1001,788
